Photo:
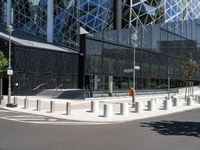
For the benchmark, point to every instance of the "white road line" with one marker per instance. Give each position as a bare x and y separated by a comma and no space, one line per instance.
68,123
24,119
54,123
24,116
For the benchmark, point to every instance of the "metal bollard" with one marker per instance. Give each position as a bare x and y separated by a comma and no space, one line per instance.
154,100
107,110
199,99
150,105
189,101
38,105
167,104
94,106
52,106
196,98
26,103
68,108
1,100
15,100
138,107
176,101
124,109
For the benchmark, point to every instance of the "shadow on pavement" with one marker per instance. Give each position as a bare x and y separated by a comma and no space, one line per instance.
176,128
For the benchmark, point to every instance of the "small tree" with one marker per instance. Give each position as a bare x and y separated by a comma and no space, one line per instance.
189,69
3,67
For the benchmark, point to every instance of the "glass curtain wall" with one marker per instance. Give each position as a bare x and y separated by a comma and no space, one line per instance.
159,49
145,12
71,17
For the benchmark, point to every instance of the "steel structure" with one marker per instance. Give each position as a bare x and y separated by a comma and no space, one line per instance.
70,17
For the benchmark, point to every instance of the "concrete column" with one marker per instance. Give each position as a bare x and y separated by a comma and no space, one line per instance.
150,105
124,109
107,110
50,11
94,106
110,85
118,14
68,108
138,107
9,3
95,82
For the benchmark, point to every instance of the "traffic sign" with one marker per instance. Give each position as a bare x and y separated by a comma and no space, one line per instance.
131,70
9,72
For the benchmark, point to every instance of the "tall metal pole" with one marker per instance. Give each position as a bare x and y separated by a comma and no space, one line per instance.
133,99
9,67
168,84
9,71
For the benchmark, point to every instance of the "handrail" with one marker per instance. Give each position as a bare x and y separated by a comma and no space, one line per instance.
59,86
37,87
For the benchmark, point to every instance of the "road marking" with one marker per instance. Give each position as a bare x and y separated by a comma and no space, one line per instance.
43,120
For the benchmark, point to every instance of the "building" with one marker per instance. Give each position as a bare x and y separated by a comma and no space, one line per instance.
161,31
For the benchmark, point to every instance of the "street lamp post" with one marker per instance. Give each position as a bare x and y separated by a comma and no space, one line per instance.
133,98
168,84
9,70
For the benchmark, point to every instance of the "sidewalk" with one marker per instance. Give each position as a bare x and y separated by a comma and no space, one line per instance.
81,109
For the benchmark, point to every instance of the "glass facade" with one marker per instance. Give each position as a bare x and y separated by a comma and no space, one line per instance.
162,32
159,49
137,12
90,16
69,16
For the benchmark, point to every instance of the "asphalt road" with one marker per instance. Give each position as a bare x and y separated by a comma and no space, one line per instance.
173,132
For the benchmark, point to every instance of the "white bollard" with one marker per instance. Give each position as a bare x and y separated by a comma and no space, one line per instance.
150,105
52,106
138,107
167,104
196,98
199,99
68,108
94,106
15,100
124,109
176,101
26,103
172,99
155,100
38,105
1,100
107,110
189,101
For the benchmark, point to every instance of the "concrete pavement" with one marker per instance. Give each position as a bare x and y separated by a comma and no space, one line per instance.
81,109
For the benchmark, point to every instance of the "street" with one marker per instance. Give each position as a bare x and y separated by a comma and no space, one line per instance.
179,131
